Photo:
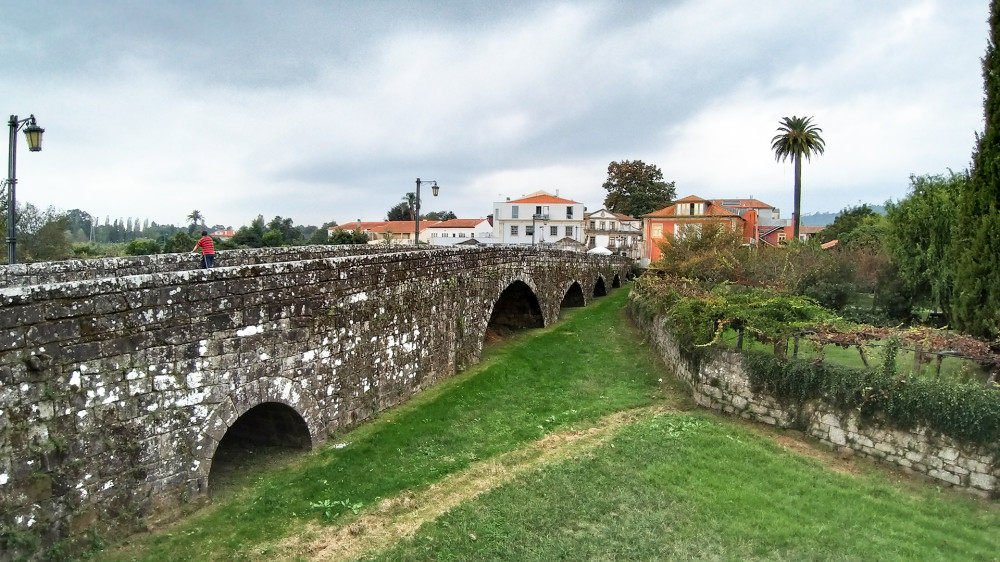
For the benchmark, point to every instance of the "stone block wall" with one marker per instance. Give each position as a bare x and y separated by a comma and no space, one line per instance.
81,270
721,383
116,390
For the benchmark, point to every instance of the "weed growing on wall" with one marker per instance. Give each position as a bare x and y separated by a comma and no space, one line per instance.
968,412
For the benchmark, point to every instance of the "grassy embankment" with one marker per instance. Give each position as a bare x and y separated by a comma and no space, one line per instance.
562,444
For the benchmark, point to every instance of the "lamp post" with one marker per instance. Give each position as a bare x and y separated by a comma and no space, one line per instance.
416,203
34,134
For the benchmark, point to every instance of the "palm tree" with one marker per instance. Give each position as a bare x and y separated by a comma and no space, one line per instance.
411,198
195,218
797,137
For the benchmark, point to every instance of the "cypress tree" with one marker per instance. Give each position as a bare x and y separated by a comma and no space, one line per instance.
977,276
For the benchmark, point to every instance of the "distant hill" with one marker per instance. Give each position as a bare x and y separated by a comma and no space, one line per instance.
823,219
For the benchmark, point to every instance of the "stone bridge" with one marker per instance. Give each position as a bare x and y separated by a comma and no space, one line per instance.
121,379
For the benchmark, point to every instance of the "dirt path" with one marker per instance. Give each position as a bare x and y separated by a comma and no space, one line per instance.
377,528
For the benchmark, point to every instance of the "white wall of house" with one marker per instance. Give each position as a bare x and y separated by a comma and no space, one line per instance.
449,236
521,222
605,229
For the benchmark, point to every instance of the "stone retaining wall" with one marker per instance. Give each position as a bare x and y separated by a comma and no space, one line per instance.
721,383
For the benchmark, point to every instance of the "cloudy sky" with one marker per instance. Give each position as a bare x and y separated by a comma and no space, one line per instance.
327,110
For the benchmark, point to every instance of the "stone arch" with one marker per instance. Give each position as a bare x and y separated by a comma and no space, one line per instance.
573,296
616,282
276,392
600,290
516,307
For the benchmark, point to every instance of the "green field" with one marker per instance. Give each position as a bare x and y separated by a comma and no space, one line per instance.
572,443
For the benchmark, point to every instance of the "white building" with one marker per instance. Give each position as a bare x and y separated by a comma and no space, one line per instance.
456,231
619,233
539,218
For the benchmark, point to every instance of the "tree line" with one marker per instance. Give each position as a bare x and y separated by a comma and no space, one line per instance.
51,234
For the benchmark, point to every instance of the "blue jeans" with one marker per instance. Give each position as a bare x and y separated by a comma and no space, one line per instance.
207,260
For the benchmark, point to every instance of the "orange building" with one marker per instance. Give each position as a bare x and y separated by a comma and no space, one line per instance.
692,213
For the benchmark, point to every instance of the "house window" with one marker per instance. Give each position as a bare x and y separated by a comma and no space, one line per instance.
513,229
569,212
538,210
602,225
553,231
683,231
514,212
691,210
657,230
569,231
529,230
461,235
434,235
593,225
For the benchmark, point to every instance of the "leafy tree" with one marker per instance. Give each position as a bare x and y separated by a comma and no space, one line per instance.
320,236
251,236
180,242
142,247
343,236
797,137
636,188
48,242
920,238
273,238
80,224
439,216
845,223
290,235
400,212
306,231
977,285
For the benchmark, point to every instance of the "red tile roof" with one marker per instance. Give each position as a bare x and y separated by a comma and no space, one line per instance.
384,226
543,198
710,210
692,199
743,203
458,223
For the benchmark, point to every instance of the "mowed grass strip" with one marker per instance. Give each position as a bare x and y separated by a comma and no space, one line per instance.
585,367
693,486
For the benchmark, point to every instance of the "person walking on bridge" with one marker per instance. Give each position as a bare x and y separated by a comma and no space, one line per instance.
207,250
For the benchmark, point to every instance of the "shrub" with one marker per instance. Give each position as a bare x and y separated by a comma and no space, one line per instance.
142,247
967,412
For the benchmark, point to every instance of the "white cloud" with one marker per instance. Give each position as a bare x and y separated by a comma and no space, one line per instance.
317,113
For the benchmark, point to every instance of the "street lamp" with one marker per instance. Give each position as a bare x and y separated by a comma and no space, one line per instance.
34,134
416,203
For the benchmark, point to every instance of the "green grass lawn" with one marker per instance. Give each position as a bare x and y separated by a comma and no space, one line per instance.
665,483
691,486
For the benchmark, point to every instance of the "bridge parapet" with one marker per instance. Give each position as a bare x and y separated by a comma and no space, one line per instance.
82,270
116,391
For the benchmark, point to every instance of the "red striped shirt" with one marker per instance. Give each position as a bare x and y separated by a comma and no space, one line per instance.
206,244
